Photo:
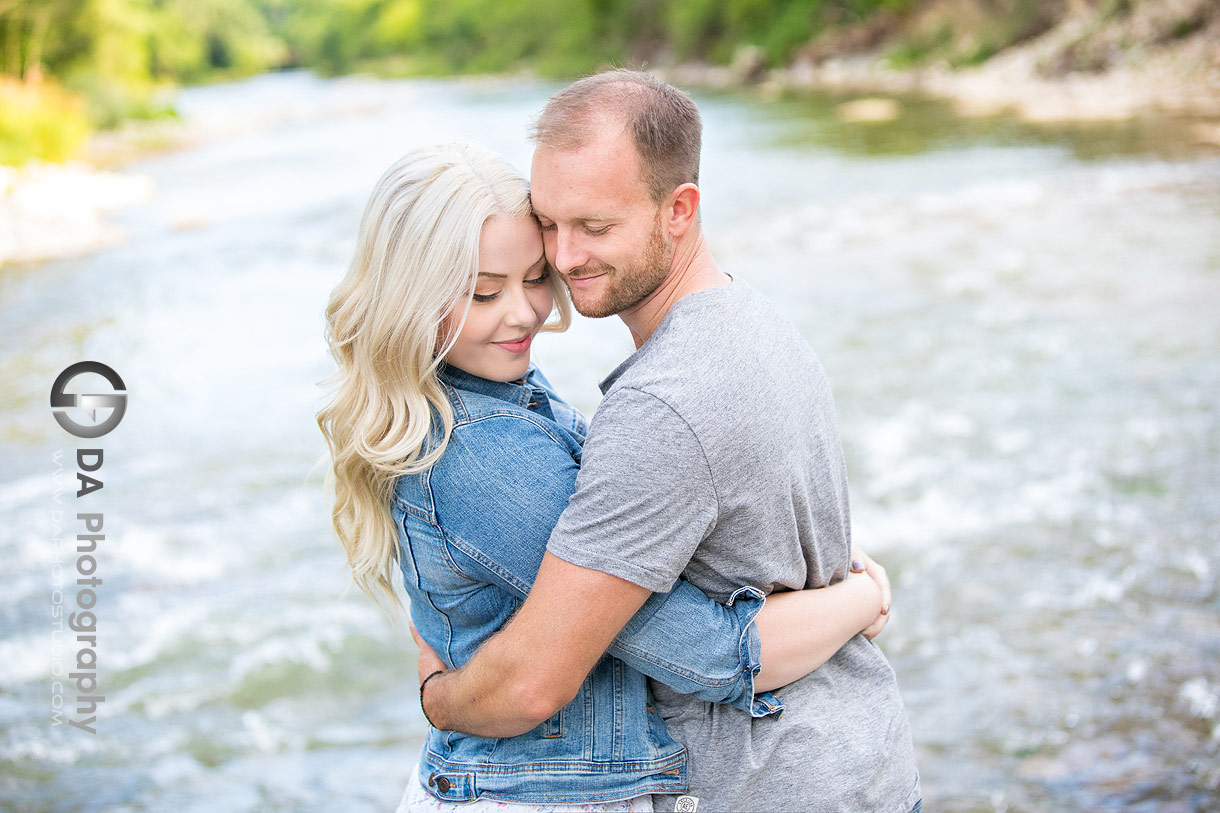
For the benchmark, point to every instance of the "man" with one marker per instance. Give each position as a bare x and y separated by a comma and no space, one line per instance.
718,430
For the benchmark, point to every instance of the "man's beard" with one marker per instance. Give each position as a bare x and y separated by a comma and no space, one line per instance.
627,287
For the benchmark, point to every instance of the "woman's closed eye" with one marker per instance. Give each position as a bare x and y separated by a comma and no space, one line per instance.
533,283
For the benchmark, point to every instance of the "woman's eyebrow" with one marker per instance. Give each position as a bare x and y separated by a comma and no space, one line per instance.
541,258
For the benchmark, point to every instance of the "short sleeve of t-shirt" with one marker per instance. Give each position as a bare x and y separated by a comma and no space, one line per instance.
644,497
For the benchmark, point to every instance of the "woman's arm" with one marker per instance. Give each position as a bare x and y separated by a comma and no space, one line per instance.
794,633
801,629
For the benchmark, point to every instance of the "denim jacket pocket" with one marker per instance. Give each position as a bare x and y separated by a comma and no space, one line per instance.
553,727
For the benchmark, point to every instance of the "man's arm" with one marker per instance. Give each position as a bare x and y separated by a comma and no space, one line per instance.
493,536
643,502
643,480
526,673
521,677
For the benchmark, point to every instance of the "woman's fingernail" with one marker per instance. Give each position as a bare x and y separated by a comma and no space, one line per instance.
857,566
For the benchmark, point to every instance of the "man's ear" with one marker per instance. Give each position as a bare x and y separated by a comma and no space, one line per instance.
682,209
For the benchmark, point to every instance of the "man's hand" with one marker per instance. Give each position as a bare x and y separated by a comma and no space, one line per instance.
533,667
861,562
429,661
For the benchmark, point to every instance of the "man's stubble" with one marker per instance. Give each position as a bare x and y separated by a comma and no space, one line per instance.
629,286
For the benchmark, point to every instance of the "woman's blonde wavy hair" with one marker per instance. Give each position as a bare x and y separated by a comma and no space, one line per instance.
416,262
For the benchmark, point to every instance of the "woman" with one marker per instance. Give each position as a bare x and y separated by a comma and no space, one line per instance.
452,460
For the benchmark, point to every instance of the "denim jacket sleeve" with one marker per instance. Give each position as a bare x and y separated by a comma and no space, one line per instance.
499,490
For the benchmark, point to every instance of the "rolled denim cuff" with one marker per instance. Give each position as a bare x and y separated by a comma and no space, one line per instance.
749,601
718,664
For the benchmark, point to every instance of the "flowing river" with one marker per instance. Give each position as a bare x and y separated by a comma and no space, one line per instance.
1022,326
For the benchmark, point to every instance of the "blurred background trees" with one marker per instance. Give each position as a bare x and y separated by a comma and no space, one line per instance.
72,65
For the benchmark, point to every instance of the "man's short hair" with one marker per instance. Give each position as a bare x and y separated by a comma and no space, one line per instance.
663,121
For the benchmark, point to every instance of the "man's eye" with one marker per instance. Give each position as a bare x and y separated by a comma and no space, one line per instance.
597,231
547,226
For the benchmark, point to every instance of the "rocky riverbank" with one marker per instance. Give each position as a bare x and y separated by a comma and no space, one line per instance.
1087,61
51,211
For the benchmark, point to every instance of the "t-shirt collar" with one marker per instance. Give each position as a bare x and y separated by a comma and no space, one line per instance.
732,289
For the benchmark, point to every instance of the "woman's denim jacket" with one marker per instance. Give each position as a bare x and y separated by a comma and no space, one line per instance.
473,530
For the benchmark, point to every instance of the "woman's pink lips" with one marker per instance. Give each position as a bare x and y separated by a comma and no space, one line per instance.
518,346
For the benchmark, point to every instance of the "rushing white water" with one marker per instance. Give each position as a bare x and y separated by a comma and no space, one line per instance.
1022,330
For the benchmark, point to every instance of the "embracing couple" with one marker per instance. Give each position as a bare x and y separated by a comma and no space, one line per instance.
660,609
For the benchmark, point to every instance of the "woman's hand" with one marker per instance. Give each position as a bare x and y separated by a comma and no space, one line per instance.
861,562
428,661
802,629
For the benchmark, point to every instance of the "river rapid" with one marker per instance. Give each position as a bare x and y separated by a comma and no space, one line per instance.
1021,325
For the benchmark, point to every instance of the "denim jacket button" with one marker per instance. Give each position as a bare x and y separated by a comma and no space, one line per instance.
443,784
431,779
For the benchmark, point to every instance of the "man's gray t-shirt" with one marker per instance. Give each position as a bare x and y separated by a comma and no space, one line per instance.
715,456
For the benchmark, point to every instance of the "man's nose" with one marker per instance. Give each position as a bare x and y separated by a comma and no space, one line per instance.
567,251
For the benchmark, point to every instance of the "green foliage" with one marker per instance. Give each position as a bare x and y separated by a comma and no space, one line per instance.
795,26
108,104
135,42
692,25
197,40
550,36
916,51
1185,26
713,30
1111,9
39,120
547,36
345,32
113,57
119,54
974,56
